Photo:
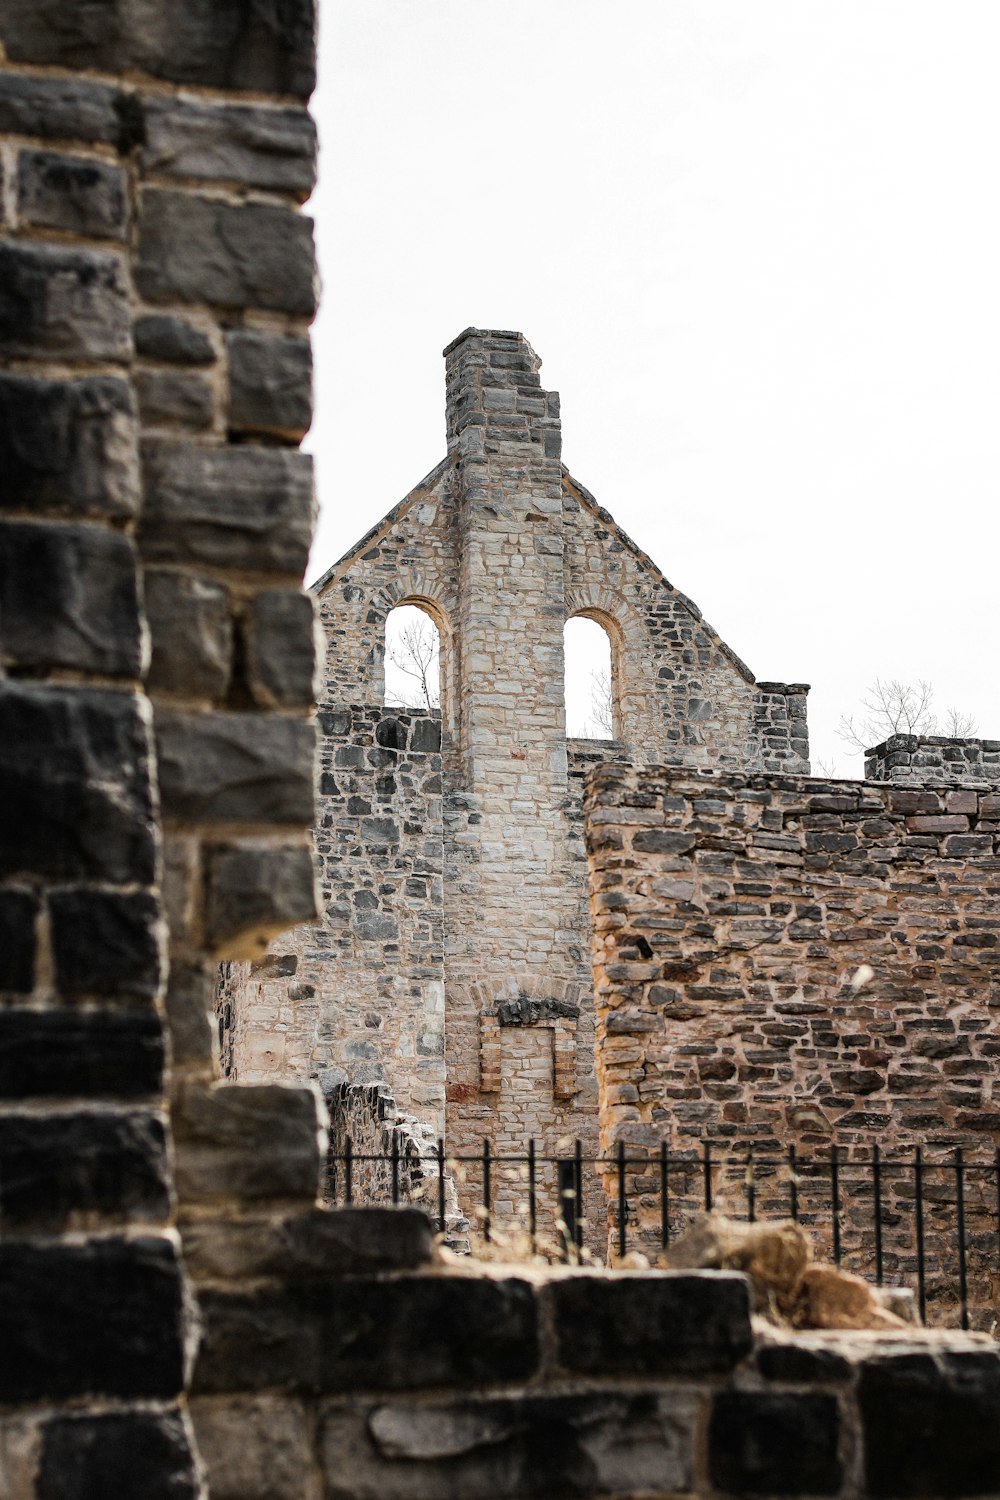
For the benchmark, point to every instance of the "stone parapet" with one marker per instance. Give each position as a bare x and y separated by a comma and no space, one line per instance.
934,760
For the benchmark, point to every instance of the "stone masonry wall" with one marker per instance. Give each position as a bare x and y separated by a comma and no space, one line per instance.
782,961
918,760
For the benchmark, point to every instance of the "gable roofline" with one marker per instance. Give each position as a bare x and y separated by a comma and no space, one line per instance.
389,520
587,500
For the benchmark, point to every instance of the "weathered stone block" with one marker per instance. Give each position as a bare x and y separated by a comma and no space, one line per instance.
326,1242
248,1142
69,598
282,648
396,1334
253,892
511,1448
132,1455
78,193
104,1318
60,108
195,249
106,944
168,398
246,508
766,1443
69,447
218,43
71,304
252,146
18,914
657,1323
172,340
192,635
931,1424
270,383
69,1169
53,1054
189,1000
75,800
254,1446
249,768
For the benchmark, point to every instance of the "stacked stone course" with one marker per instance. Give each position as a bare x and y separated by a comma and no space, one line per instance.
919,760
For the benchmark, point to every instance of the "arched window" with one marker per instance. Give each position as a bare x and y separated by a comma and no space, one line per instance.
591,709
412,658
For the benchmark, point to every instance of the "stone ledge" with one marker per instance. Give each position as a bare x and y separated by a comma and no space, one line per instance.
323,1243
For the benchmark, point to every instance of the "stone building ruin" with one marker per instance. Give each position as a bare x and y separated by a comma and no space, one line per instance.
180,1317
452,964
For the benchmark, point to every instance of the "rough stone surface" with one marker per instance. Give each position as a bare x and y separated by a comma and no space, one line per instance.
249,508
235,767
134,1455
60,108
253,146
69,304
99,1319
766,1443
106,944
511,1448
74,785
77,193
69,599
934,760
252,893
116,1169
219,43
254,1446
69,1054
249,1143
204,250
634,1324
69,447
172,340
168,398
18,916
350,1242
931,1425
270,383
396,1334
192,635
281,648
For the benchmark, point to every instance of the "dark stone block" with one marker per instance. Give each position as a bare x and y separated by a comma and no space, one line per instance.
160,336
281,648
255,1141
69,598
70,304
59,108
931,1424
651,1323
425,735
270,383
77,193
662,841
248,145
18,913
104,1318
134,1455
60,1054
195,249
105,944
399,1334
245,508
219,43
56,1170
190,998
170,398
522,1447
254,892
69,447
765,1443
252,768
326,1242
75,798
803,1364
192,634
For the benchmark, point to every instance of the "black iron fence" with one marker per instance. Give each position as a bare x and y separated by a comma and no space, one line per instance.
928,1219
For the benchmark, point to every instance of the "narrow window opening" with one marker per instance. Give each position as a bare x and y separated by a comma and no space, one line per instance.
412,659
590,707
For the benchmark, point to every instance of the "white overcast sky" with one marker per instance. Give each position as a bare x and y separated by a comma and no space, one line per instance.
757,246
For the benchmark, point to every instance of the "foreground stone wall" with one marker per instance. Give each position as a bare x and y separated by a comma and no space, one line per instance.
785,962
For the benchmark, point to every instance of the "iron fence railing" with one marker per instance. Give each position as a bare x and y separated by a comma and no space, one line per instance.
928,1220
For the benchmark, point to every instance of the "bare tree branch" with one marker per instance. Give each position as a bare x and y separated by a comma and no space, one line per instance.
893,707
414,653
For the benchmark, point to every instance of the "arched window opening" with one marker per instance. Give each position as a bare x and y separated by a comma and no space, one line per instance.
412,659
590,696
